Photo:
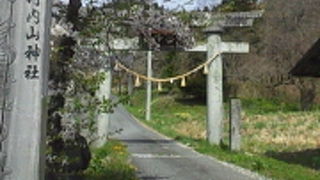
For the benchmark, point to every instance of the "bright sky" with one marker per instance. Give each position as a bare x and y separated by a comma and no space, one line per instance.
186,4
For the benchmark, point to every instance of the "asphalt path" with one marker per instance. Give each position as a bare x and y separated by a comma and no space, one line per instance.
159,158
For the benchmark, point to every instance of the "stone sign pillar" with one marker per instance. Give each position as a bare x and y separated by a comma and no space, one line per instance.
27,125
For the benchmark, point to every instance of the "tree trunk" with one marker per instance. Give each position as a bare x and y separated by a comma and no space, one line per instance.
130,84
307,90
77,151
231,89
73,13
120,84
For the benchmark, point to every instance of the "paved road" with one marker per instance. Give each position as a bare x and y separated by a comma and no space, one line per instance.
159,158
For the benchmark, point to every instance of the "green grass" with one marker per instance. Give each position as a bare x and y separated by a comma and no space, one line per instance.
269,127
264,165
258,106
265,106
110,162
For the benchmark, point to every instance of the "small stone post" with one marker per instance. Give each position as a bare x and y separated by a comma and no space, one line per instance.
235,121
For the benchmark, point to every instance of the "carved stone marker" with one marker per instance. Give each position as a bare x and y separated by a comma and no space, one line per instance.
27,126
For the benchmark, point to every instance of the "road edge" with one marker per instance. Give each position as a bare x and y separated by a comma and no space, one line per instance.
226,164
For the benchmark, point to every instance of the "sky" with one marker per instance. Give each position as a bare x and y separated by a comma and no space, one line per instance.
186,4
195,4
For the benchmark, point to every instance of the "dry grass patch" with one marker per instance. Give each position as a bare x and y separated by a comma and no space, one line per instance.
193,129
282,131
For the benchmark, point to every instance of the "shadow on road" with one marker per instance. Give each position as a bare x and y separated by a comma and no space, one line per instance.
147,141
308,158
153,178
191,101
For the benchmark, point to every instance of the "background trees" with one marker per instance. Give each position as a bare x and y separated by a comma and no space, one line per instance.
237,5
278,41
290,28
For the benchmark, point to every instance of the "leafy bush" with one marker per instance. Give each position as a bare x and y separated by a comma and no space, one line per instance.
111,162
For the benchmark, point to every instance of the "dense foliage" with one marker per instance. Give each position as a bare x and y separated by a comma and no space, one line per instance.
238,5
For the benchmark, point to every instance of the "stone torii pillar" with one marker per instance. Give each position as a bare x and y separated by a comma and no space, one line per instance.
214,90
215,112
25,145
149,87
104,93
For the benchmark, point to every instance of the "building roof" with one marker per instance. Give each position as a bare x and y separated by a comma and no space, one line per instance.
309,65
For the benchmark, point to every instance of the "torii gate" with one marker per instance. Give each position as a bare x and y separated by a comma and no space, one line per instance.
215,73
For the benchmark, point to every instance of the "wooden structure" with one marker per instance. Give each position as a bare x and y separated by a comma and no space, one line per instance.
309,65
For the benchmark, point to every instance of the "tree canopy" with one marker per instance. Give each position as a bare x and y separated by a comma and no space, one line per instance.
237,5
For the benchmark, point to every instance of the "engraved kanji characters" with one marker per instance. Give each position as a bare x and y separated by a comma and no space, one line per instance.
34,16
33,34
32,51
34,2
31,72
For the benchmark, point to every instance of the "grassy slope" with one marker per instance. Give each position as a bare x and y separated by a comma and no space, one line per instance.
269,128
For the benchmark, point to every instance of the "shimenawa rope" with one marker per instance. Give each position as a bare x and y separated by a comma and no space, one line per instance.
181,77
